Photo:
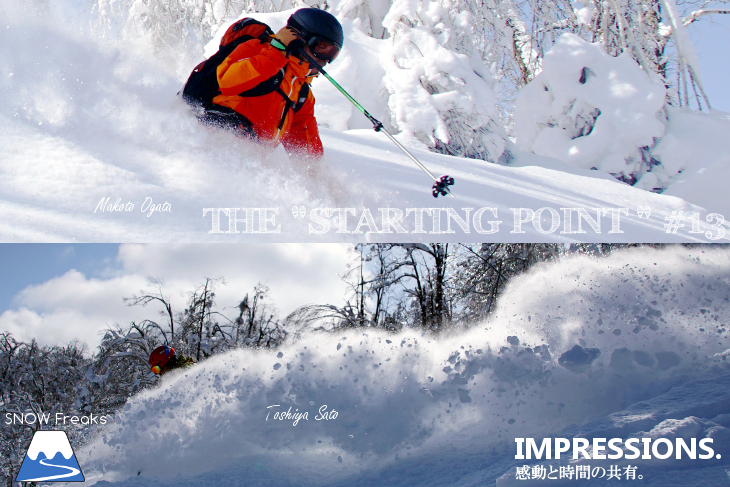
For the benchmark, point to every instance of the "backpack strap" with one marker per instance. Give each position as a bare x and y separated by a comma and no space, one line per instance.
288,104
274,84
266,87
303,94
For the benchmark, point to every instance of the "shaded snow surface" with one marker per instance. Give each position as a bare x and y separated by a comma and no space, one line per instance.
414,410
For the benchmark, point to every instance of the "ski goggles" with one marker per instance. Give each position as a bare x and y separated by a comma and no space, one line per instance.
323,49
156,369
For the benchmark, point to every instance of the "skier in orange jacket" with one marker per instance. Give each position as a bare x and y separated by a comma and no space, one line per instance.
285,113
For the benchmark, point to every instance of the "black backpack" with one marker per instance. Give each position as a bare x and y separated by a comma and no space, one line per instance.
202,84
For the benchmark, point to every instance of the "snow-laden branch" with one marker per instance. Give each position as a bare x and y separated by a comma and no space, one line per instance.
685,51
699,13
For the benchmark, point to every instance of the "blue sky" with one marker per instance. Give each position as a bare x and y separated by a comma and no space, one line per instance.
711,37
24,264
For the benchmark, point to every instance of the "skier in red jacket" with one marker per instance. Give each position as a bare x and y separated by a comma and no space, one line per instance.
163,359
286,113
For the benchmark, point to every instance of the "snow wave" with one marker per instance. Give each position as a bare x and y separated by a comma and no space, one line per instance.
572,343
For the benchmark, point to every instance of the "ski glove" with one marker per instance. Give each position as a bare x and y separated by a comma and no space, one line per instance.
295,47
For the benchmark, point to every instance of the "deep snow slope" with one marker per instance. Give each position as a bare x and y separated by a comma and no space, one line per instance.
83,119
415,410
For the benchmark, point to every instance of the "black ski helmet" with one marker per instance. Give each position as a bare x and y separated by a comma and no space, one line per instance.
310,22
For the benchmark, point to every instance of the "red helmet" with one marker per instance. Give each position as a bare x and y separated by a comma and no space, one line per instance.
160,356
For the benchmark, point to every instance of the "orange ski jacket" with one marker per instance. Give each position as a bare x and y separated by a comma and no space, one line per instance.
272,115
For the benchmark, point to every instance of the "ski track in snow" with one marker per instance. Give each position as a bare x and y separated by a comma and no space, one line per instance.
418,411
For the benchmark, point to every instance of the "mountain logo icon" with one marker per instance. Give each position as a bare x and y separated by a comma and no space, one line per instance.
50,458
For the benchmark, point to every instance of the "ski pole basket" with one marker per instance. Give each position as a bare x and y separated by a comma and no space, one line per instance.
440,187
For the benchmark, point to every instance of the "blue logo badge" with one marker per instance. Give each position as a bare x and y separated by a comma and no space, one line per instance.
50,458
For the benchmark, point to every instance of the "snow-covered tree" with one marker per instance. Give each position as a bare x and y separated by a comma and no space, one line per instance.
119,368
370,300
441,92
591,110
598,99
434,287
256,324
483,270
34,380
202,330
170,24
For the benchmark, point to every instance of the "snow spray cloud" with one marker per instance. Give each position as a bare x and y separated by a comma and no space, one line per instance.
106,111
629,345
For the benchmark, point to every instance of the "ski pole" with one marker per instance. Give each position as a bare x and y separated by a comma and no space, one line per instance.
440,186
